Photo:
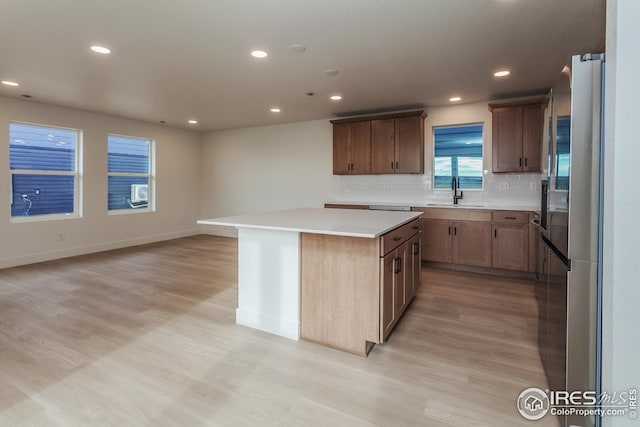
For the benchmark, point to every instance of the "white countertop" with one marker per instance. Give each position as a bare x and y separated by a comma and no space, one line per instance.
435,205
337,222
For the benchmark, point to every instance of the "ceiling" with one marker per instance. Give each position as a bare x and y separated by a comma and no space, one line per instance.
178,60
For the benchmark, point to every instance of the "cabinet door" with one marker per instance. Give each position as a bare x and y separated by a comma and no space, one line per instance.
471,243
401,283
507,139
532,129
409,145
436,240
415,248
342,149
387,301
510,248
382,146
361,147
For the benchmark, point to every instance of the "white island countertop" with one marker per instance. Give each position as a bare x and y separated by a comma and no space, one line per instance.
337,222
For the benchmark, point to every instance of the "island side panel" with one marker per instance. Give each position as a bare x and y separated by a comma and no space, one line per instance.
269,281
340,291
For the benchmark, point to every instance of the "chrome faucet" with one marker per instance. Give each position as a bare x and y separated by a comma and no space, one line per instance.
454,187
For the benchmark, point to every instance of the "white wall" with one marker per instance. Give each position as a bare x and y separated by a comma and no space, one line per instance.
267,168
621,288
177,189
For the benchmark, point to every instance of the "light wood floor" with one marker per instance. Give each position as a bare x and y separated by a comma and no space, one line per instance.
146,337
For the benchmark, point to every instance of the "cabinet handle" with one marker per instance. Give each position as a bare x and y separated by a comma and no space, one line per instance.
455,231
449,231
416,248
395,239
399,265
510,217
351,166
495,233
525,161
520,161
391,165
415,227
397,165
396,260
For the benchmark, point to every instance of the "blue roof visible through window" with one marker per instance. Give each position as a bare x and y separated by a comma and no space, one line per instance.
458,141
128,155
458,152
41,148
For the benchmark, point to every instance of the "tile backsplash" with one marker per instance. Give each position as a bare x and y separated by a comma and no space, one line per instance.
499,189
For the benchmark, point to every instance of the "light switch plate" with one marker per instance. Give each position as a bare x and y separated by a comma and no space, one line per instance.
504,186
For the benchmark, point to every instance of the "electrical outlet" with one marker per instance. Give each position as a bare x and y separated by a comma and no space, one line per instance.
36,191
504,186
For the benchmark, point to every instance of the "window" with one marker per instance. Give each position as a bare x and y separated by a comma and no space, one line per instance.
44,168
563,137
458,152
130,173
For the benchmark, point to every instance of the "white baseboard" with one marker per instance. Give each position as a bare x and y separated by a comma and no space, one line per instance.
89,249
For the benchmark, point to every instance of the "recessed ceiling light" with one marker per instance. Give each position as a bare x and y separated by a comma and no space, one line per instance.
455,99
275,110
9,83
336,97
259,54
297,48
193,122
502,73
100,49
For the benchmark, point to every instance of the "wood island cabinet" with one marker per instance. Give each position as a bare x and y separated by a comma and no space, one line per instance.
517,135
395,143
400,270
354,290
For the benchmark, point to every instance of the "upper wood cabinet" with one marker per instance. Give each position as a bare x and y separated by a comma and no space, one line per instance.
517,135
395,143
352,148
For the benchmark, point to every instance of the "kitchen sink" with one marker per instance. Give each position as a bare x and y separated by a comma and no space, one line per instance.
451,205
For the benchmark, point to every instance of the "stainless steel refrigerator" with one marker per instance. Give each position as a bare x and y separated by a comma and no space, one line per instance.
569,233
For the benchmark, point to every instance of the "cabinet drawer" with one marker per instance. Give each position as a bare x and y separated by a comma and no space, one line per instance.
395,238
510,217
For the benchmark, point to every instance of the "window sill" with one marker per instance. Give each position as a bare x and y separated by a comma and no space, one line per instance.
43,218
130,211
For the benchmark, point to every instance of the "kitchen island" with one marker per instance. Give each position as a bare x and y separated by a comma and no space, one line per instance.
338,277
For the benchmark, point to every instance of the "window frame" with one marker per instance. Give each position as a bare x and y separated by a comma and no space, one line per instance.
433,153
150,175
77,177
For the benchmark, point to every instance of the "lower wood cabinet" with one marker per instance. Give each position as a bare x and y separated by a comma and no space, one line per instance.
400,273
393,267
457,236
480,238
471,243
510,247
